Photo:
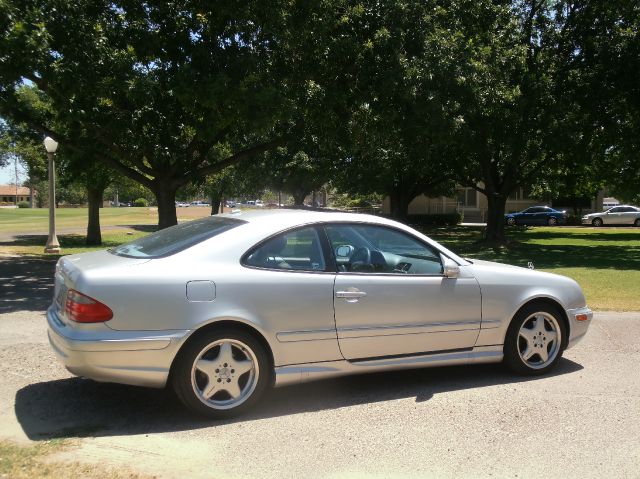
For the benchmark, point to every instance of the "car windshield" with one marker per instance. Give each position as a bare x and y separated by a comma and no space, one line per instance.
176,238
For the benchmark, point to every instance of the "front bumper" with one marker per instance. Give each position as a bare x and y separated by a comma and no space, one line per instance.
586,221
140,358
577,328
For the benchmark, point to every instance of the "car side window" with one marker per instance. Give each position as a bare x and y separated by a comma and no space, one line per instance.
378,249
297,250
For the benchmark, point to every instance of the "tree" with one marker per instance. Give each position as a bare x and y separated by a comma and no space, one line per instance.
397,121
515,76
158,86
606,34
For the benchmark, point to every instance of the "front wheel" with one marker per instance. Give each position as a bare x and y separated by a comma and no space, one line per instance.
597,222
534,341
511,221
552,221
637,222
221,373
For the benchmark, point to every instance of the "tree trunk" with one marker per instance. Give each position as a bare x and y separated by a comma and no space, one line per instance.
399,200
494,233
298,197
216,201
166,199
94,195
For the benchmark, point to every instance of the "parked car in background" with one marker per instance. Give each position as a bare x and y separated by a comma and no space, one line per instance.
182,204
200,203
618,215
223,307
537,215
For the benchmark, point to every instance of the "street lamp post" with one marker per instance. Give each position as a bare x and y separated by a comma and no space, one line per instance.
52,241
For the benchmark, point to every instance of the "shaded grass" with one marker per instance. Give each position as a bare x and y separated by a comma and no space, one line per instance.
69,244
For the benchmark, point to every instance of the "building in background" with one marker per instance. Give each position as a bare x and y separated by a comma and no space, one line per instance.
12,195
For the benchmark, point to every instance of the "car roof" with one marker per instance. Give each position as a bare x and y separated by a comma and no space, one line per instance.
286,217
260,224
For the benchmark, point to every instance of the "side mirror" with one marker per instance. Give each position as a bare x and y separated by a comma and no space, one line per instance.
344,251
450,268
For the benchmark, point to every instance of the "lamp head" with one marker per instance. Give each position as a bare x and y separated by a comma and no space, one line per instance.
50,144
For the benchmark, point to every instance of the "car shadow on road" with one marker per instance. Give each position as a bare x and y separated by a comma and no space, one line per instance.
26,283
76,407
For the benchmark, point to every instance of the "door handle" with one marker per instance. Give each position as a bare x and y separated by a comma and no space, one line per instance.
350,294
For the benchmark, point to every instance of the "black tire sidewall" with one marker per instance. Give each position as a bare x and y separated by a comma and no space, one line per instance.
512,357
181,372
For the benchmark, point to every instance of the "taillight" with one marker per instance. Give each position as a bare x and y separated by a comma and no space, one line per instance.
83,309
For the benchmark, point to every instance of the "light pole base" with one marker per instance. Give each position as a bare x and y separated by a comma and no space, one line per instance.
52,249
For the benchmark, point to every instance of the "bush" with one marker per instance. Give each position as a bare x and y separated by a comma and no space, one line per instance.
23,204
141,202
440,219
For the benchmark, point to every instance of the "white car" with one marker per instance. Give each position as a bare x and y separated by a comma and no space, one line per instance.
618,215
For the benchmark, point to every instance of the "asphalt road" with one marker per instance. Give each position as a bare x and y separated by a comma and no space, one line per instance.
476,421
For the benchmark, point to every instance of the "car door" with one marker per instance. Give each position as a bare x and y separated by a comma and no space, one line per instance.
290,290
391,297
528,217
628,215
614,216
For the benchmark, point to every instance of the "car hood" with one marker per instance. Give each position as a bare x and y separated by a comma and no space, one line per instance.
483,268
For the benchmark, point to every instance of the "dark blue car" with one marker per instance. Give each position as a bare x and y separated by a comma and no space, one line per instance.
537,215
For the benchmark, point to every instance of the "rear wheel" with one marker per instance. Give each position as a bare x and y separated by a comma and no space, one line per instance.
597,222
221,373
637,222
535,339
511,221
552,221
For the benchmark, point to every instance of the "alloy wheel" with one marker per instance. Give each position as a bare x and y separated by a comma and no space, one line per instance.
539,340
225,374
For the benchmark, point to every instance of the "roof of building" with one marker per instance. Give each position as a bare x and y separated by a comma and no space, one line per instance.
9,190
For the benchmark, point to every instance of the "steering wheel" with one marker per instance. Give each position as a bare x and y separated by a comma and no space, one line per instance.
361,259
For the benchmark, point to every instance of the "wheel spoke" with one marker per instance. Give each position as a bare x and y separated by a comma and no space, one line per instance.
526,355
233,388
551,336
210,389
207,367
540,327
528,335
225,355
242,367
544,354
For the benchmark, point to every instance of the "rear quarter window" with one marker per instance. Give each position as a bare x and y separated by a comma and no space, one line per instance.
177,238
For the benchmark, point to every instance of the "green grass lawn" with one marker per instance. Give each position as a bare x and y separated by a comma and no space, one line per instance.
33,220
604,261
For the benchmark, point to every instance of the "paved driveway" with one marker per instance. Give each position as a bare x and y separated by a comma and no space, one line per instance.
475,421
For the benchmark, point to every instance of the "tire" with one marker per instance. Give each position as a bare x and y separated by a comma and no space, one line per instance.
511,221
636,223
552,221
532,347
233,373
597,222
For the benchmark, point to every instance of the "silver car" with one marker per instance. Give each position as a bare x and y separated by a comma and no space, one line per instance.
221,308
618,215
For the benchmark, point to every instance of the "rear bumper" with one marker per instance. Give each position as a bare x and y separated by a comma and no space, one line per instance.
577,329
140,358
